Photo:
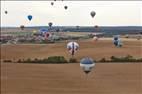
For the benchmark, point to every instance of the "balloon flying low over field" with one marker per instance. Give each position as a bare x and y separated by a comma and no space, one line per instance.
44,32
87,64
117,41
95,38
72,47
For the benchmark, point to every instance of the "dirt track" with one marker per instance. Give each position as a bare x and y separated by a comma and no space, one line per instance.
69,79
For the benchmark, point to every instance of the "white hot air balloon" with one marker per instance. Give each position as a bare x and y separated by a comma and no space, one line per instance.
87,64
72,47
95,38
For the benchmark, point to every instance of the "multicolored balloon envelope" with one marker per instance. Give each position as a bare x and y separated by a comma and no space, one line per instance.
87,64
72,47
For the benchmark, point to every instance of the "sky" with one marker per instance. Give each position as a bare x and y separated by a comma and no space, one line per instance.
108,13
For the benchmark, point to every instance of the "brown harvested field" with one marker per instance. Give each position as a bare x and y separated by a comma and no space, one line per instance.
106,78
96,50
69,79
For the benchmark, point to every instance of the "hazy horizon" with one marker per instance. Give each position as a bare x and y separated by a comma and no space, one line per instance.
77,25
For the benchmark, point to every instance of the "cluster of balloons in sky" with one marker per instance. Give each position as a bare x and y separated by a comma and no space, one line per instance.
65,7
30,17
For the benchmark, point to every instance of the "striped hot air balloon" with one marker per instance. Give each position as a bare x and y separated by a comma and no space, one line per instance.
72,47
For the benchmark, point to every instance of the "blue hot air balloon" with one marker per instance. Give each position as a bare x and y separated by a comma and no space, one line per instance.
30,17
43,30
117,42
87,64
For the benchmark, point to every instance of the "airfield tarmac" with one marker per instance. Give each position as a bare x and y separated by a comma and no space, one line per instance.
106,78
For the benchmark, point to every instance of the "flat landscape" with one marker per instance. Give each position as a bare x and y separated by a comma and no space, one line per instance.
70,79
105,78
97,50
71,47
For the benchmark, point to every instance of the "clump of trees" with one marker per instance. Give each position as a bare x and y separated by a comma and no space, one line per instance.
9,61
62,60
49,60
127,58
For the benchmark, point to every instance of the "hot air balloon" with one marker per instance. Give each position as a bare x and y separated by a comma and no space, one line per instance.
65,7
72,47
97,28
87,64
93,13
46,35
116,38
30,17
43,31
95,38
52,3
22,27
50,24
117,42
5,12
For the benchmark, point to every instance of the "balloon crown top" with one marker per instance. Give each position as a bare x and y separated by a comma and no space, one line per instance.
87,60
